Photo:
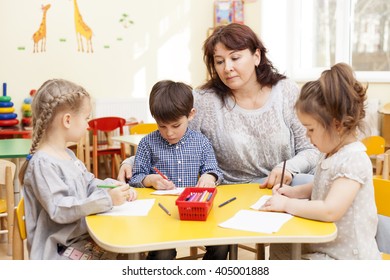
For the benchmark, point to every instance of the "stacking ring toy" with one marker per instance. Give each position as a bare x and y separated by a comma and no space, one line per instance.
6,104
8,116
26,107
7,110
5,98
26,121
9,122
27,114
27,100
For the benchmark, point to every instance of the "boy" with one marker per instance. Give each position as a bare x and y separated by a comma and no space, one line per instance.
181,154
184,157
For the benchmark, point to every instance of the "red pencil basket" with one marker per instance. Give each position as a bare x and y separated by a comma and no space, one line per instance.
195,210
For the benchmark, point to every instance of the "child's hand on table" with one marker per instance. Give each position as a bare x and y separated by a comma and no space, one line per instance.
158,182
121,194
277,203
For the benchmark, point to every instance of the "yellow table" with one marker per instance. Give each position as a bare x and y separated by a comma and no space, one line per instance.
132,140
161,231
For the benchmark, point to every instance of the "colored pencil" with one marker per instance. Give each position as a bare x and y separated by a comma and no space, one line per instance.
281,179
160,173
227,201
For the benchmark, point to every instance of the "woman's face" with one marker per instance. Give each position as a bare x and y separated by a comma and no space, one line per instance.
235,68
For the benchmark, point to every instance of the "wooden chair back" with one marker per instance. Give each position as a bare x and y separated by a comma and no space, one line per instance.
20,233
7,201
83,150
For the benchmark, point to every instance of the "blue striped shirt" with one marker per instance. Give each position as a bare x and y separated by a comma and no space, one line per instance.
182,162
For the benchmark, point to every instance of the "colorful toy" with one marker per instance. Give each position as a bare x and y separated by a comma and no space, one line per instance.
26,110
7,115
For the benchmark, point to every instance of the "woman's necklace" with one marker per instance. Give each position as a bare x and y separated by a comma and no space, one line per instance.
255,102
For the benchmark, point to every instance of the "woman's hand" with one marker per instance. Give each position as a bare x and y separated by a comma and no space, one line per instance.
274,178
125,172
206,181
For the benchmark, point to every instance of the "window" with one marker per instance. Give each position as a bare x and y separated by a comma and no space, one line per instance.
323,32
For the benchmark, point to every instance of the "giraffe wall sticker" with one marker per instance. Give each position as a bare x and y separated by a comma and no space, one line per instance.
82,30
40,35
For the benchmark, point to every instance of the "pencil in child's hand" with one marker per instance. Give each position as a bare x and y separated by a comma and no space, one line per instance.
284,168
160,173
107,186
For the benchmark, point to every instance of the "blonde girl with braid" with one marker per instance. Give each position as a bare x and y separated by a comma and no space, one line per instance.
332,110
57,188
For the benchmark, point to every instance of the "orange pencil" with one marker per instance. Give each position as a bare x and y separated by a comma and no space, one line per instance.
160,173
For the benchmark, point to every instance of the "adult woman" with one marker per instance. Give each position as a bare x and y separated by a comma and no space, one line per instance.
246,110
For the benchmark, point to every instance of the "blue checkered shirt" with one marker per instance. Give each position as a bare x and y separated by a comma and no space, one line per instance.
182,162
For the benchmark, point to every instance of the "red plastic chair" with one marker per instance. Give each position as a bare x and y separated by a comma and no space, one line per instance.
104,147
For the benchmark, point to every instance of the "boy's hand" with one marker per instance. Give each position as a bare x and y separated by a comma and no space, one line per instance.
206,181
158,182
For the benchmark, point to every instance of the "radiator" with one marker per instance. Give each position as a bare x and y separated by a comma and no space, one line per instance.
121,107
126,108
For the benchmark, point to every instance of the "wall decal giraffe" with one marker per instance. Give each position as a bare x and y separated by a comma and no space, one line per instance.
40,35
82,30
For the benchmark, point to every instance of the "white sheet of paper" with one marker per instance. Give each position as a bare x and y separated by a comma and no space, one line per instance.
260,202
139,207
257,221
176,191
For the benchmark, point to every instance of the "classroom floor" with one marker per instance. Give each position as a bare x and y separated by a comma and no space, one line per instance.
181,252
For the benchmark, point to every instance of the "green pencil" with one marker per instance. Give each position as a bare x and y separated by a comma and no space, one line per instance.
106,186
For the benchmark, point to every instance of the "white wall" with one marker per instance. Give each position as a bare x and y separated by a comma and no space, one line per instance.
164,42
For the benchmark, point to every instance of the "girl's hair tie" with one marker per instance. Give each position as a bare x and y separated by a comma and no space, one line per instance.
28,157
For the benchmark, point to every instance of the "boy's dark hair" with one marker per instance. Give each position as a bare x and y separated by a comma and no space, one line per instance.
169,101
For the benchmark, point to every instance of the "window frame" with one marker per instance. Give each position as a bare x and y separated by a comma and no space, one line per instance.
344,33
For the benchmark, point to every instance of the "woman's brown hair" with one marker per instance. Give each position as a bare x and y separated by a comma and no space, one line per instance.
236,36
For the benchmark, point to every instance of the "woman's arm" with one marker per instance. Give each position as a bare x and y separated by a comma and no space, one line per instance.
126,169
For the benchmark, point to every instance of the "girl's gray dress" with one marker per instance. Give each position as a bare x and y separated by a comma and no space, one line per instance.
58,195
